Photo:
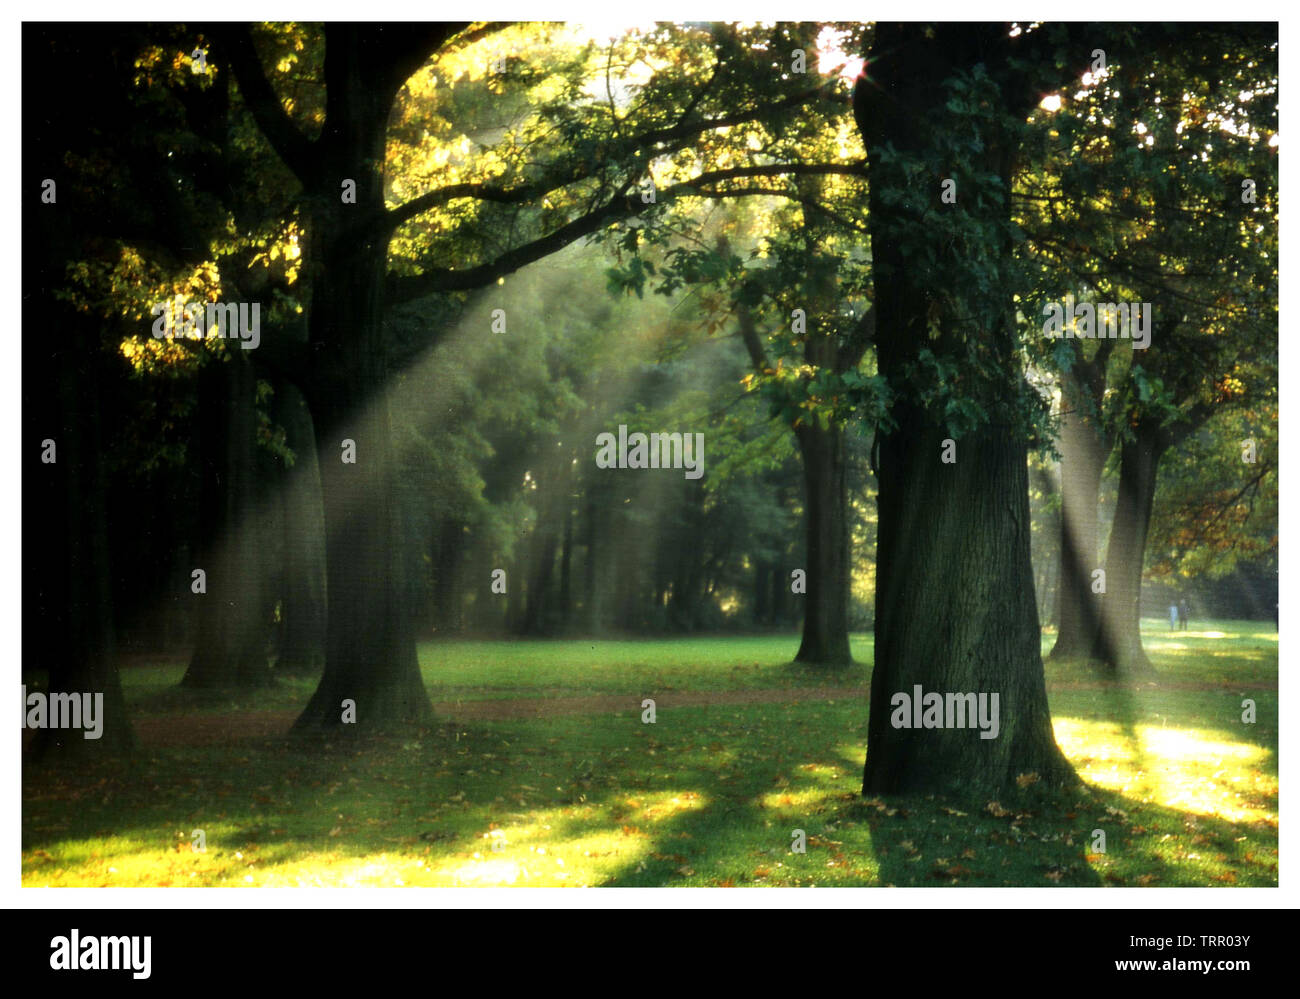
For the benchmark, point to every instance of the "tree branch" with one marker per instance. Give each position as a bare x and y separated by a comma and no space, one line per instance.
406,288
288,142
567,175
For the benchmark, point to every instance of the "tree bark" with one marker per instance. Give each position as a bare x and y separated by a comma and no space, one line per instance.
234,614
303,586
955,606
1118,643
1084,447
370,655
72,629
826,604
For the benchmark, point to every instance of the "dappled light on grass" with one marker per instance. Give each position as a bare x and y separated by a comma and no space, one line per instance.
708,795
1192,770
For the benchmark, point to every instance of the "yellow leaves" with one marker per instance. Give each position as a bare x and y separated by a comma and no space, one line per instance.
996,810
1027,780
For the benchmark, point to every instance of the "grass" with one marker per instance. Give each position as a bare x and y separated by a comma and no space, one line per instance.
504,670
1185,792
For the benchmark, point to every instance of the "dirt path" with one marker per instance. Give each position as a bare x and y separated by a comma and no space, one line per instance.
217,729
221,729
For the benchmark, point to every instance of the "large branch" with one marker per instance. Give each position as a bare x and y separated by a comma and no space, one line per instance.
284,136
621,205
567,175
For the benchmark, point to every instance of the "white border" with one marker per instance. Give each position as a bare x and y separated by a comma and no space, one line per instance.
13,896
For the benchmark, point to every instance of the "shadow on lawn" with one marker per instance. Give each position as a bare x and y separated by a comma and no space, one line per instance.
744,780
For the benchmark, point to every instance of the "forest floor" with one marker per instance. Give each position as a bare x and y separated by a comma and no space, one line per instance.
542,772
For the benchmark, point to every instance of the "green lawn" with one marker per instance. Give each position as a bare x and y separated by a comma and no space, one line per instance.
1185,792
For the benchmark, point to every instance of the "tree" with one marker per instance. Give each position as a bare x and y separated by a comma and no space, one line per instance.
955,599
1137,197
370,651
798,304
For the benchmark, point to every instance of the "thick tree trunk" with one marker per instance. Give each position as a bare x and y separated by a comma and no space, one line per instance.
826,604
955,606
303,587
370,655
234,614
955,612
1118,645
1083,457
71,631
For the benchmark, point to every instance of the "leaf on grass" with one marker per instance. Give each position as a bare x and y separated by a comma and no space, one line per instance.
996,810
1025,780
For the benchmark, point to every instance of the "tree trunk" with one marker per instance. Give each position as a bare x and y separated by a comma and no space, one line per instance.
370,655
303,586
1118,644
1083,457
955,606
234,614
826,603
447,597
71,630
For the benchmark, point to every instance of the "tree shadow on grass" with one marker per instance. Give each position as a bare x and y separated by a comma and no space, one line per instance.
707,795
